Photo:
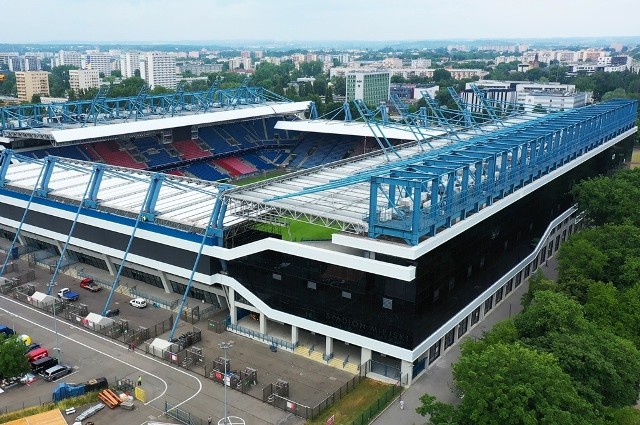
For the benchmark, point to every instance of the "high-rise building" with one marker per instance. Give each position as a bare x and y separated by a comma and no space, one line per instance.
31,63
68,58
129,64
98,61
158,69
29,83
373,87
83,79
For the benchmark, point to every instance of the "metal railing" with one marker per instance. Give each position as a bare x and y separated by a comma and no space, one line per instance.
280,343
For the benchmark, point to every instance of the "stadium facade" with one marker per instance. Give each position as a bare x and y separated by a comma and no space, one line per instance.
425,237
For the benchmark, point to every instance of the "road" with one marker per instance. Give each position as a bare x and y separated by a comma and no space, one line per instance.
93,356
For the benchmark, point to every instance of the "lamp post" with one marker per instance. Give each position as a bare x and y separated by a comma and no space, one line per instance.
225,346
55,329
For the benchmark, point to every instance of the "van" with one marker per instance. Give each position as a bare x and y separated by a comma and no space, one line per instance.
56,372
43,364
36,354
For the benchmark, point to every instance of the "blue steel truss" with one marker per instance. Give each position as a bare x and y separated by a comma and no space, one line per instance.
103,110
434,193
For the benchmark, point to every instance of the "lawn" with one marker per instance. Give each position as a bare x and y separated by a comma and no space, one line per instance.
300,231
255,179
352,407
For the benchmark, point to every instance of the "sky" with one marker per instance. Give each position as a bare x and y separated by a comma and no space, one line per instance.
43,21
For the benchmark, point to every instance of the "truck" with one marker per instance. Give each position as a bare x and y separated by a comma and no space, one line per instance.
68,294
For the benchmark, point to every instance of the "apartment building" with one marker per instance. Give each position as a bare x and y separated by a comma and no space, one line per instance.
29,83
84,79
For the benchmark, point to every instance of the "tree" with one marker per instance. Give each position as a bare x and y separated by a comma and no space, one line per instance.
36,98
12,359
537,282
440,75
550,312
116,73
511,384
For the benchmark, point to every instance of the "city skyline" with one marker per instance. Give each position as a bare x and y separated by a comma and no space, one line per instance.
285,21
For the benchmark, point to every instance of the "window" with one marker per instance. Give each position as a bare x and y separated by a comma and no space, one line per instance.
488,305
387,303
434,351
449,338
518,279
463,326
475,316
499,293
346,294
509,286
311,285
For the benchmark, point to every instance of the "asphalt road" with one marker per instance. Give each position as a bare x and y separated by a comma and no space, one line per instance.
94,356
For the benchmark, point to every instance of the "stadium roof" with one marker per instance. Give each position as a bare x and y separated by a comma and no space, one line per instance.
109,129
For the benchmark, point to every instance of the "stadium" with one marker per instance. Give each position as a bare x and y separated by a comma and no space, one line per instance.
385,239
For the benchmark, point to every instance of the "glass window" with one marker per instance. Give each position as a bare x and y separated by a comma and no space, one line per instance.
463,326
509,286
499,293
434,351
449,338
488,305
311,285
475,316
387,303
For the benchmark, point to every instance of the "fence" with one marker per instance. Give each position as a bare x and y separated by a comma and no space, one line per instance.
183,416
280,343
157,301
377,406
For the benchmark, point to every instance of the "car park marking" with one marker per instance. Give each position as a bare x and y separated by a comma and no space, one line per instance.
108,355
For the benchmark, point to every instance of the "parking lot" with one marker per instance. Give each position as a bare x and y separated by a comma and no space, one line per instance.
310,382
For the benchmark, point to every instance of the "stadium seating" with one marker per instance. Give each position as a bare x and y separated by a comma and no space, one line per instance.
205,172
110,152
234,166
190,150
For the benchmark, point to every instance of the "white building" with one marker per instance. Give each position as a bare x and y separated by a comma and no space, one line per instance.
421,63
70,58
98,61
84,79
129,64
545,101
373,87
158,69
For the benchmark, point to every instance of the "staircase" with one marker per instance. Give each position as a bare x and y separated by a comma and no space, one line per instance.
301,350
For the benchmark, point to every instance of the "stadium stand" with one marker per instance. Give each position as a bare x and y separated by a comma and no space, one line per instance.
205,171
190,150
110,152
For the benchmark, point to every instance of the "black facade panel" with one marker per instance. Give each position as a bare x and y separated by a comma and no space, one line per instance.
157,251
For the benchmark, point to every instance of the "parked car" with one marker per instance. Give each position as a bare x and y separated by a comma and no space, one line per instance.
37,354
32,347
7,331
112,312
138,302
56,372
88,283
68,294
43,364
28,378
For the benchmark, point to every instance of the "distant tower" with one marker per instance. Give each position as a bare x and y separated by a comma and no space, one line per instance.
536,62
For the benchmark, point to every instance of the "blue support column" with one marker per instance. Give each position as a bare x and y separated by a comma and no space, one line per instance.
116,280
22,220
5,159
373,206
49,164
91,200
148,212
60,261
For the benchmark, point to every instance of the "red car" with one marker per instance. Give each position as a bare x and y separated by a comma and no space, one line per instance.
88,283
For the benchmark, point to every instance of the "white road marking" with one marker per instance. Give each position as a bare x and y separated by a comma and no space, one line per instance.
77,328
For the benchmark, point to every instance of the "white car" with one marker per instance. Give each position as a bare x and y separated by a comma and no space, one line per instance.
138,302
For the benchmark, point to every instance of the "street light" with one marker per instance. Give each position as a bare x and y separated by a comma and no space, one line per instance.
225,346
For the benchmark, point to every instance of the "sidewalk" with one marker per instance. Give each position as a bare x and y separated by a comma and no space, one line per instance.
438,378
